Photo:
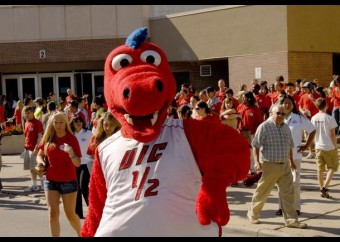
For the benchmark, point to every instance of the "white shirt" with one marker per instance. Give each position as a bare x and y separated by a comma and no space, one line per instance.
297,123
83,138
151,187
323,123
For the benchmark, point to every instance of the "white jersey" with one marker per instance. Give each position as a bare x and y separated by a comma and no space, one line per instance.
151,187
83,138
297,123
323,123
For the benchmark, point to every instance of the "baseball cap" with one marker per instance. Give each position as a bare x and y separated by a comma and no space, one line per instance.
210,89
38,99
307,85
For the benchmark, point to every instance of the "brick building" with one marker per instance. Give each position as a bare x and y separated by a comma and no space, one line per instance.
47,48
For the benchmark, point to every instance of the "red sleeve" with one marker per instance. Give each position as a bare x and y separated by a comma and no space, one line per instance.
97,198
223,156
222,153
91,147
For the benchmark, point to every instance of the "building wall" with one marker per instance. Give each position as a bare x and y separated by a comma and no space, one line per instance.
71,51
242,68
222,32
313,28
311,65
219,70
69,22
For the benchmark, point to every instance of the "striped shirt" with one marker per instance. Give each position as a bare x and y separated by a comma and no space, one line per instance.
274,141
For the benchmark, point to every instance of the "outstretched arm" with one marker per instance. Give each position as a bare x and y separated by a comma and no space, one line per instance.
97,197
223,157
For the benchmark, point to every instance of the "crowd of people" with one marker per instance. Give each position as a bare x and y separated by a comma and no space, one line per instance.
65,133
279,121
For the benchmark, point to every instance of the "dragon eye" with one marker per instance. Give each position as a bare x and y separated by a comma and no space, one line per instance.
121,61
151,57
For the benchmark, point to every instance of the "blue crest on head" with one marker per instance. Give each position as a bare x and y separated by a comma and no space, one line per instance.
137,37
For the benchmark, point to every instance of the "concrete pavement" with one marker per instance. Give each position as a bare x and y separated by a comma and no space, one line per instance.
25,214
321,215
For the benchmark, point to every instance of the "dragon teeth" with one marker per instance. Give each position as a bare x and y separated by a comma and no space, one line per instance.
154,118
128,119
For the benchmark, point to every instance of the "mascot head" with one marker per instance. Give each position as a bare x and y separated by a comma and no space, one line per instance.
139,86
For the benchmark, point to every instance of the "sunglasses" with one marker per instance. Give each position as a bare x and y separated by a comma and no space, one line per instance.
279,113
197,108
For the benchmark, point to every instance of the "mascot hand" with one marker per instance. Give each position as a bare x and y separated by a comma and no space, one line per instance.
211,204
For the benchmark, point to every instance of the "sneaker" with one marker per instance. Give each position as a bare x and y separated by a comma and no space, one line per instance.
324,193
297,225
253,220
32,189
311,155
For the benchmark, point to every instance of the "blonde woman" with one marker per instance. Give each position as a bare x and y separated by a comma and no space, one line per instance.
17,114
106,126
62,149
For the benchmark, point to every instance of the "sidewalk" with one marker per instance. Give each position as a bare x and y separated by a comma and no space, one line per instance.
321,215
24,214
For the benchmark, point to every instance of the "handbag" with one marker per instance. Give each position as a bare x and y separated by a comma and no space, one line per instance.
42,168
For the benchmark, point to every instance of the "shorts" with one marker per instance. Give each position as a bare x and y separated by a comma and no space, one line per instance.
327,158
29,160
61,187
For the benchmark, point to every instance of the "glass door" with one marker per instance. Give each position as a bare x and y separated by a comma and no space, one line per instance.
64,82
47,85
28,87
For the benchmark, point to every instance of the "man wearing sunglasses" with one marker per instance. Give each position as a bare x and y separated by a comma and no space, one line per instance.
272,148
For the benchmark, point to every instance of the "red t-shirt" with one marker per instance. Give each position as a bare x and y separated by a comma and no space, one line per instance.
2,114
307,104
17,115
336,97
221,94
251,117
92,147
263,101
33,128
61,168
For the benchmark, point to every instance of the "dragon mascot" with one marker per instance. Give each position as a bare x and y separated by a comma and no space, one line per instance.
158,176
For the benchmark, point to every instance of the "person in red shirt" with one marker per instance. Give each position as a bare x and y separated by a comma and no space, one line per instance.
62,149
261,100
230,94
204,112
213,102
275,94
70,96
335,99
18,114
290,90
33,133
2,112
251,118
221,93
306,102
308,108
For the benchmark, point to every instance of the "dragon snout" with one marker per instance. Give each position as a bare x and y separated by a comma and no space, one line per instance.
159,86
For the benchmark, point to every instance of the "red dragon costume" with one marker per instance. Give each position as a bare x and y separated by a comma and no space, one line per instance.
158,176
